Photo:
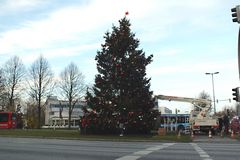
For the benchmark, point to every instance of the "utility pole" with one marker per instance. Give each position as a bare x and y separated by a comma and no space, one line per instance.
214,101
236,18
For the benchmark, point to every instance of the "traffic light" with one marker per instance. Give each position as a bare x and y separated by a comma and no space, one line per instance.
236,94
236,14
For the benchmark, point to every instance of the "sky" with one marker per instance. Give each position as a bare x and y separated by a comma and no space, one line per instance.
187,39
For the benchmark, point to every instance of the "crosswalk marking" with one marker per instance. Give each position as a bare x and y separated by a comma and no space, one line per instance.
139,154
129,158
155,148
201,152
144,152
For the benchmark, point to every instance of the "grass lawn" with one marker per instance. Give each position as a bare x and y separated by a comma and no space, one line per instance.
74,134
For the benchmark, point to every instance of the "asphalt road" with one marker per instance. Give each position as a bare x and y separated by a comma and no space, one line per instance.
53,149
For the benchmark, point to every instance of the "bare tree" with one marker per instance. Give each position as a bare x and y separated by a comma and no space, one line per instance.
3,93
203,95
14,72
41,83
2,82
72,87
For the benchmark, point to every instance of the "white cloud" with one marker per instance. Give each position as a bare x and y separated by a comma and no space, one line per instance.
64,26
168,52
191,68
13,6
69,23
61,52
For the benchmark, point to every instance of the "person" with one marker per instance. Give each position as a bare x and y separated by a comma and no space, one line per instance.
226,124
121,126
220,127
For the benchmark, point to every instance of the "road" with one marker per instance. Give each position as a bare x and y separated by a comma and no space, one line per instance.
53,149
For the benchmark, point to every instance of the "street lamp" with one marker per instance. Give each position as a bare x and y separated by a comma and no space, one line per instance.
214,104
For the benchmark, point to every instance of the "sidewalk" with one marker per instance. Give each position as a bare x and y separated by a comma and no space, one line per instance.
214,139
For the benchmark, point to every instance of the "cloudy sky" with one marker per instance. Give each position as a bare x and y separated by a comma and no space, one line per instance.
187,38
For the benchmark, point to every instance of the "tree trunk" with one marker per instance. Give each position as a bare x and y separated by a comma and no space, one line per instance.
39,113
69,117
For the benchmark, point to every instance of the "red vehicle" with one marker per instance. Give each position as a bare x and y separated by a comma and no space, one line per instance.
8,120
235,125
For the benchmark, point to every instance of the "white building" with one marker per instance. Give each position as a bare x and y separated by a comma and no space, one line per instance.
165,110
55,118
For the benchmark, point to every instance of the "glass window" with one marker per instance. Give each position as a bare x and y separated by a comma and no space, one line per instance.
3,117
71,123
66,122
179,120
14,116
77,121
173,119
57,122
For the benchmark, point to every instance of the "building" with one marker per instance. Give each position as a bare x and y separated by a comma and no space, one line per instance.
56,113
165,110
156,107
162,109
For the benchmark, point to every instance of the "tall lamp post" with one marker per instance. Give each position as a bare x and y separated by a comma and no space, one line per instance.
214,102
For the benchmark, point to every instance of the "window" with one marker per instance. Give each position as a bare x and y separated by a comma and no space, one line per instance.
4,117
71,123
14,116
57,122
66,122
77,121
173,119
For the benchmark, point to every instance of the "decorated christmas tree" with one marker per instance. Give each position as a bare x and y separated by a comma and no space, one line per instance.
121,98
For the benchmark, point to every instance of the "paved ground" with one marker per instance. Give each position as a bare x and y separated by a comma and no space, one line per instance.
214,139
51,149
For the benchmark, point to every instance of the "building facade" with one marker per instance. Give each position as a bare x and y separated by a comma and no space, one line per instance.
165,110
57,113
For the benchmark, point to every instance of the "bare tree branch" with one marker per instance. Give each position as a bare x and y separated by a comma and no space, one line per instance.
41,83
72,87
14,72
3,92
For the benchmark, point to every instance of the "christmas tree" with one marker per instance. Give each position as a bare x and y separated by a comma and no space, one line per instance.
121,91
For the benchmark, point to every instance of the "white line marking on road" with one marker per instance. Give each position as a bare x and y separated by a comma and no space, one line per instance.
139,154
129,158
201,152
155,148
204,155
144,152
